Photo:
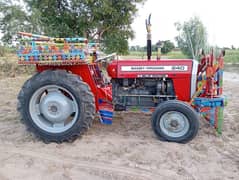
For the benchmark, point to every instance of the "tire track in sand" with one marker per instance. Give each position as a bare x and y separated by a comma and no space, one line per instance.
119,170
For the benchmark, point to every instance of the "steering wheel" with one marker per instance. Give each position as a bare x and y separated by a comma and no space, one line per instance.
107,58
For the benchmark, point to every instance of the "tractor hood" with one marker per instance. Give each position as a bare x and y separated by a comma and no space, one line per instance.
153,68
183,72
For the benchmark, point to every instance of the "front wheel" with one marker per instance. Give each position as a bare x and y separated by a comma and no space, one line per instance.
175,121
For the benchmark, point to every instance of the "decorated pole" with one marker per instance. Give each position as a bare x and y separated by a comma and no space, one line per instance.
208,98
37,37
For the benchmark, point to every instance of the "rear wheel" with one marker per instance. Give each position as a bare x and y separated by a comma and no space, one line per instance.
56,106
175,121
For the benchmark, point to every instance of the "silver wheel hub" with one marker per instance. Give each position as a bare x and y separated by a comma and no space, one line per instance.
174,124
53,108
56,107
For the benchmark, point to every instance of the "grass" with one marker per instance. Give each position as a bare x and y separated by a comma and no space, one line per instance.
232,56
143,55
10,68
176,55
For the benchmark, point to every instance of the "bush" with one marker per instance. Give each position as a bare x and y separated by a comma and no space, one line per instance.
168,46
2,51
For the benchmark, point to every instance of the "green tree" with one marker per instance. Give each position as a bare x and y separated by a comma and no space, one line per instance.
115,43
154,47
13,18
233,47
94,19
192,37
132,48
167,47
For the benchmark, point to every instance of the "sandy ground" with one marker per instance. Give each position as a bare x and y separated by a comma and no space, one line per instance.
126,150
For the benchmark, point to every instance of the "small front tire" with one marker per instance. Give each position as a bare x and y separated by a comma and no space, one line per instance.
175,121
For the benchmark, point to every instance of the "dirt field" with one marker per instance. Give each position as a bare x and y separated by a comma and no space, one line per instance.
126,150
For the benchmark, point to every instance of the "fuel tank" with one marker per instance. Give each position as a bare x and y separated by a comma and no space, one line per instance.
183,73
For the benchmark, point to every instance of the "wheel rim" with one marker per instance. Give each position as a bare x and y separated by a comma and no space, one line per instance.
53,109
174,124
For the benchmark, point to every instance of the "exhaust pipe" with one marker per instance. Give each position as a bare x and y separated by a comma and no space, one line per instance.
149,43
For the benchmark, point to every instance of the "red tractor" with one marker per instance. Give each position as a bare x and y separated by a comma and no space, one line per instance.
60,101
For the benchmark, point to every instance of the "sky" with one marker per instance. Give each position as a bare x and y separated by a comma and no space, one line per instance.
220,17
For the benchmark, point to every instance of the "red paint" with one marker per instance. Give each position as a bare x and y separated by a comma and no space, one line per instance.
181,79
90,75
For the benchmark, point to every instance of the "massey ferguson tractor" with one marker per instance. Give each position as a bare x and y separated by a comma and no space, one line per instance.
69,89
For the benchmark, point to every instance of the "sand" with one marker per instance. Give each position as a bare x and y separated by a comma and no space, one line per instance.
126,150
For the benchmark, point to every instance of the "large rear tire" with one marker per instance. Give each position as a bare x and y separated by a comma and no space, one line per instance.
175,121
56,106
